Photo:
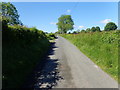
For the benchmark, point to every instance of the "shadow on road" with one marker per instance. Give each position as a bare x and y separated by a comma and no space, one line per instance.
50,74
46,74
52,47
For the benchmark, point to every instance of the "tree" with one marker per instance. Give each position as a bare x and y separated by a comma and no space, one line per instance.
78,31
110,26
65,23
98,29
9,14
69,32
75,32
88,30
83,31
93,29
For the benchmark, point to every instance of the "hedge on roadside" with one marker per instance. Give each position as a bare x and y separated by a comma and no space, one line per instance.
23,48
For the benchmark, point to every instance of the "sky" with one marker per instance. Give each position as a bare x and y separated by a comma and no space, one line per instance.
44,15
60,0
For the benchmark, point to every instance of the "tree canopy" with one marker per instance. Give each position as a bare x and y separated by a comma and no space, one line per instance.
110,26
65,23
83,31
88,30
93,29
9,14
98,29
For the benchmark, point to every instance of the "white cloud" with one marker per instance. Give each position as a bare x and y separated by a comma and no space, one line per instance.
53,23
68,11
106,21
81,27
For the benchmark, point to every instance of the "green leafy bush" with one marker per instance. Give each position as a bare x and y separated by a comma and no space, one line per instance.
51,36
23,48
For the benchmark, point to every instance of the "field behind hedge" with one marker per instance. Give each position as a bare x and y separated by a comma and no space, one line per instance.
100,47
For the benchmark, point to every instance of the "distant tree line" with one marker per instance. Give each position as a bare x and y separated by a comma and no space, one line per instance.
65,23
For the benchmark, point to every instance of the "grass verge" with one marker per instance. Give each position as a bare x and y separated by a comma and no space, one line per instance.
100,47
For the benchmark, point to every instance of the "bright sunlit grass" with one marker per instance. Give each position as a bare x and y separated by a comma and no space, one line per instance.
100,47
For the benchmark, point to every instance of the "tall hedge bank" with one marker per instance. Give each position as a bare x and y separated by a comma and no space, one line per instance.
23,48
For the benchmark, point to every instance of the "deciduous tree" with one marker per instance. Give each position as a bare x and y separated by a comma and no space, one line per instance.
110,26
93,29
98,29
65,23
9,14
88,30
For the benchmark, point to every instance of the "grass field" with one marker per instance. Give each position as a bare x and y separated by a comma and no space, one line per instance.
100,47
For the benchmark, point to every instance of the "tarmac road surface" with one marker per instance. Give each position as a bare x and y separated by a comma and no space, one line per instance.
67,67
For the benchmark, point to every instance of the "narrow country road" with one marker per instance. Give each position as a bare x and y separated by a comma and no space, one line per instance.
67,67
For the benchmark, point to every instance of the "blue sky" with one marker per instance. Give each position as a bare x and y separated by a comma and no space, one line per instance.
44,15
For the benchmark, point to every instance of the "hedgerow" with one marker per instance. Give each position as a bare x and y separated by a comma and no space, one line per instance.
51,36
23,48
